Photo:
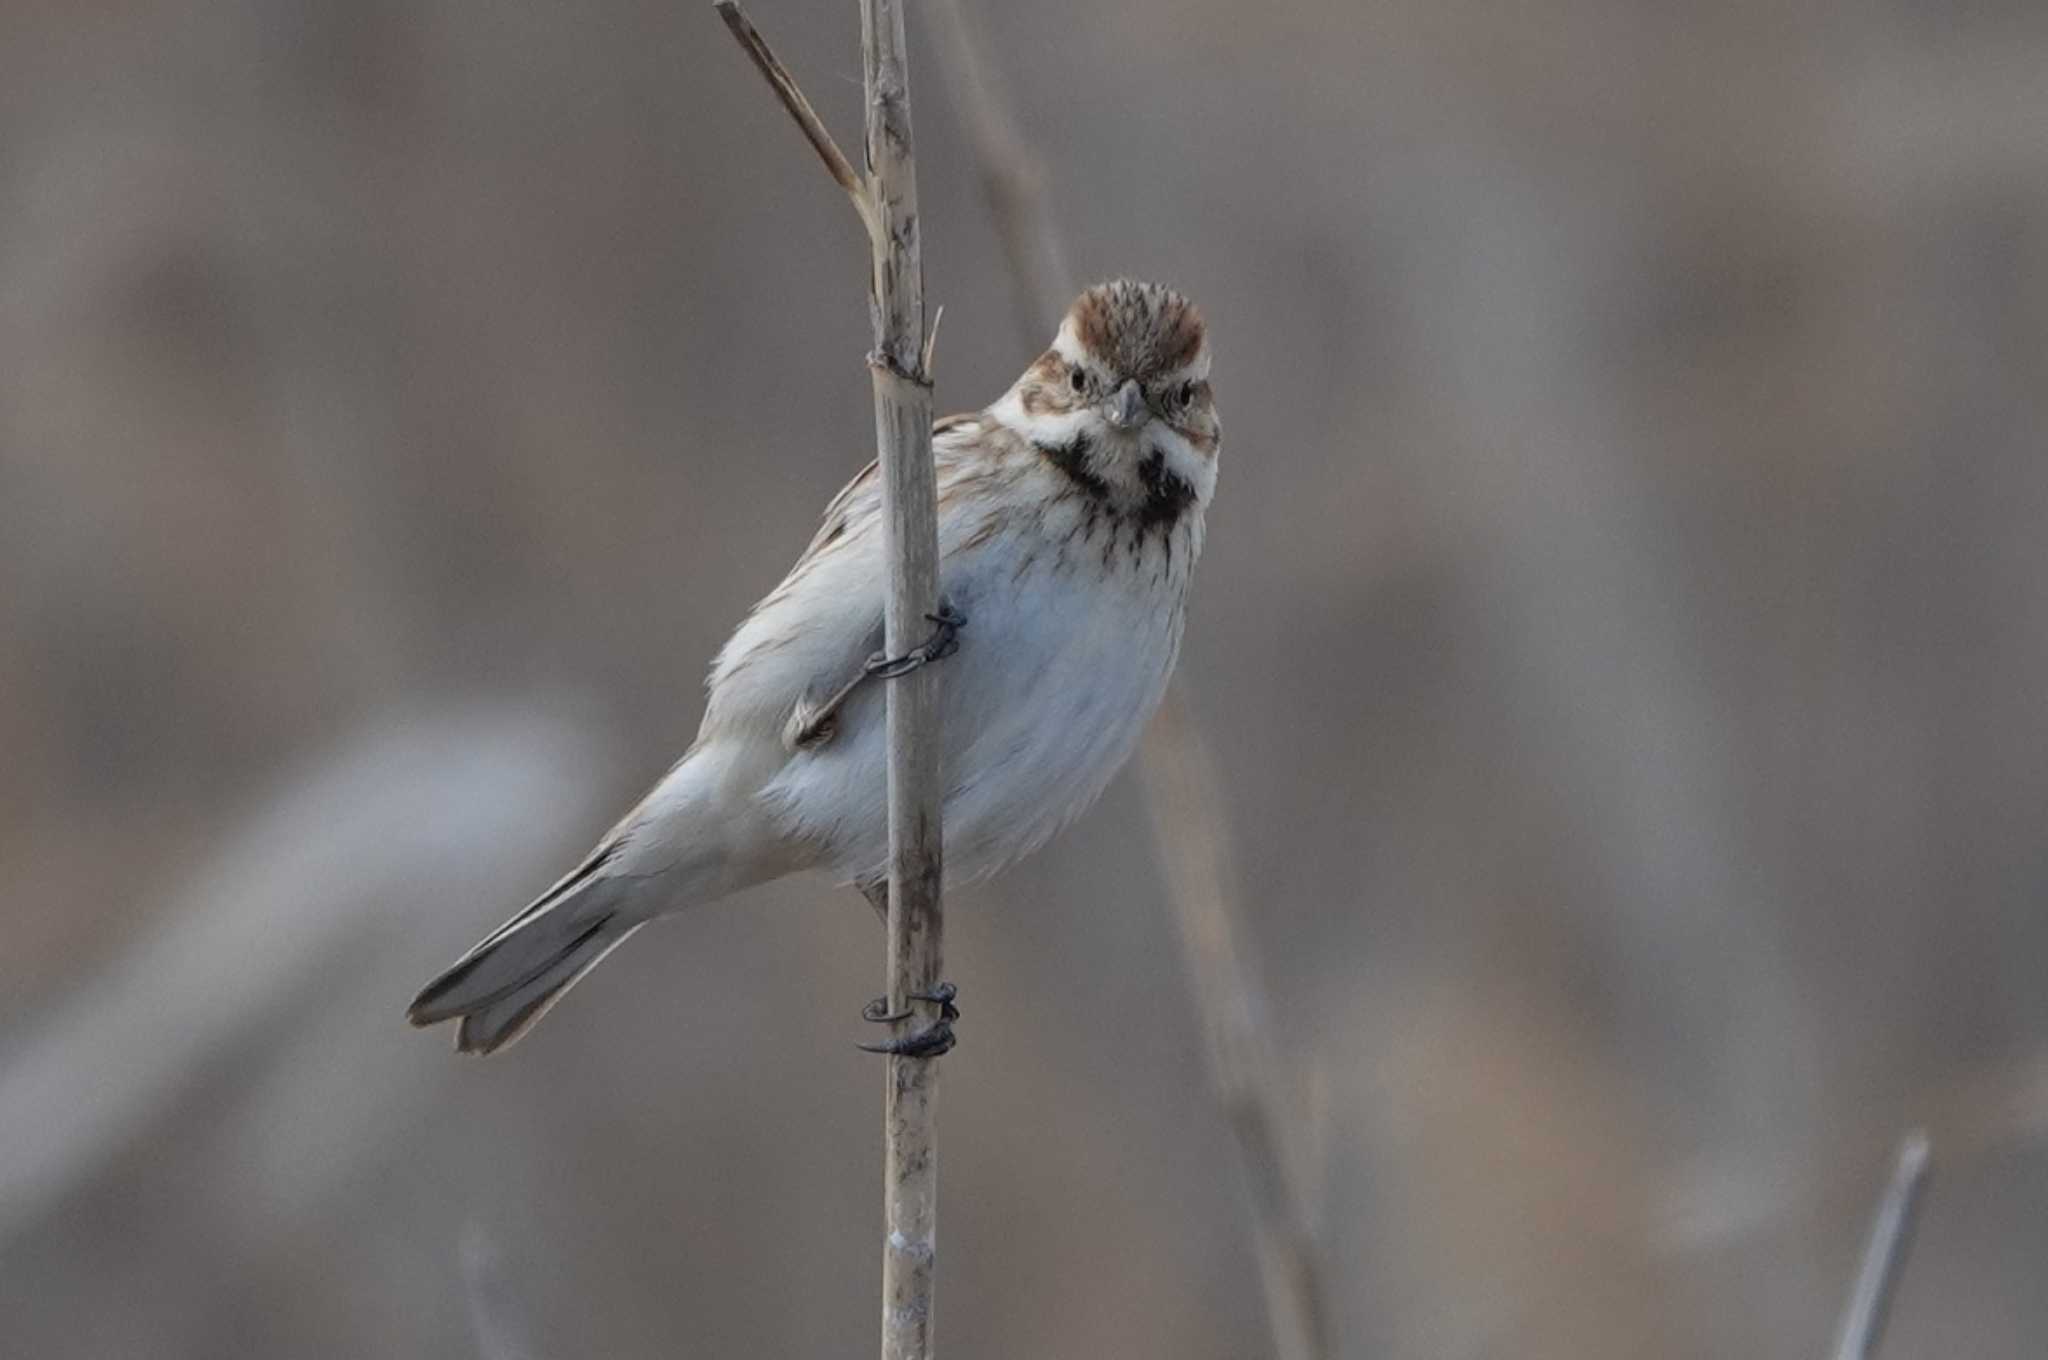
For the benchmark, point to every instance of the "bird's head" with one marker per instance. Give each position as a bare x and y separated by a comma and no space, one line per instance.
1124,391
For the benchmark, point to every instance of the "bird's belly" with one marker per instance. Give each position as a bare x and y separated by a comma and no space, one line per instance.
1041,717
1054,680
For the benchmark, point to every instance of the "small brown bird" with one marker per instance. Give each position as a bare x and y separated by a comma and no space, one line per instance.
1070,517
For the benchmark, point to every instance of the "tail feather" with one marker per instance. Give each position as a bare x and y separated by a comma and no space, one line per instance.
499,988
574,881
497,1023
697,836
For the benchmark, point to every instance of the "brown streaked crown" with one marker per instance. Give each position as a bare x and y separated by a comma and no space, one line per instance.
1138,330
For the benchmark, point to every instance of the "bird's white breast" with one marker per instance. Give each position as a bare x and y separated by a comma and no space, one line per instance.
1073,623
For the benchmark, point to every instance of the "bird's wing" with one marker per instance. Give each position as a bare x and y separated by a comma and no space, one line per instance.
859,498
862,497
802,651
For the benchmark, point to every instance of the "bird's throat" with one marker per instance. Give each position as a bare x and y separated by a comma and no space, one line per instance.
1151,496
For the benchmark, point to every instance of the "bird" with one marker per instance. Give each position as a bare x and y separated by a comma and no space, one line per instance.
1070,516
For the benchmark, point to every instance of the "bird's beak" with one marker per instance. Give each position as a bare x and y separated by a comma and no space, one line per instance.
1126,410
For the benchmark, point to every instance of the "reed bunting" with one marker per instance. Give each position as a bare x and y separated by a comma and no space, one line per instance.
1070,516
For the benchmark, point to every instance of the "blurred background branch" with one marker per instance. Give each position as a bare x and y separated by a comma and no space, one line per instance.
1183,792
1184,795
1884,1256
335,864
1013,181
497,1311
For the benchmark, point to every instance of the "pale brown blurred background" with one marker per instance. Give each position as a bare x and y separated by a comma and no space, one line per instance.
1624,628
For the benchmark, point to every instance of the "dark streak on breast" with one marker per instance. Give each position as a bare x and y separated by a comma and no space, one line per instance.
1072,459
1165,498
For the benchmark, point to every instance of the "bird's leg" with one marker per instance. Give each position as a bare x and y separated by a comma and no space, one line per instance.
812,724
933,1039
937,1037
944,641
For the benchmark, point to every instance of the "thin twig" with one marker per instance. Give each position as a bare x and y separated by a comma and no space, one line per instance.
910,538
931,342
1884,1255
793,99
1191,828
899,366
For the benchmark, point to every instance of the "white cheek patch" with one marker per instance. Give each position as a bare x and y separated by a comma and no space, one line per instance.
1184,461
1050,428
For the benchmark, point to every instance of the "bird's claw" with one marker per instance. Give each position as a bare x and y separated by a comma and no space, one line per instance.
944,641
928,1042
943,995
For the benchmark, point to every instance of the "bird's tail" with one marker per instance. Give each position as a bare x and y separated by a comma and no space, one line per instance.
507,982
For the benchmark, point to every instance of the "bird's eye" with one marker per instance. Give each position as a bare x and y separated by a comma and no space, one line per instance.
1187,393
1078,378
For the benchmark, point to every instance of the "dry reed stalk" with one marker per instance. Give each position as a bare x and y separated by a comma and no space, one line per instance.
886,199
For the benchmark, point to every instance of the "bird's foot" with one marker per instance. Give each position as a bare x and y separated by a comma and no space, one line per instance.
928,1042
944,641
